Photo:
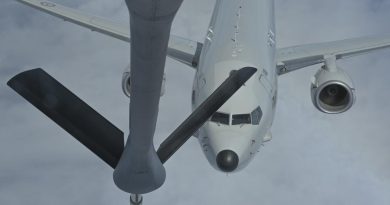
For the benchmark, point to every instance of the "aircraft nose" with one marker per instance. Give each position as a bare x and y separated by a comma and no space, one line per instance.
227,160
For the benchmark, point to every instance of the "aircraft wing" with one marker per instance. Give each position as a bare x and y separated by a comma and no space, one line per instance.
296,57
180,49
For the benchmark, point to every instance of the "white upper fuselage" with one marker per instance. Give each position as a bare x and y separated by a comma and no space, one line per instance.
241,34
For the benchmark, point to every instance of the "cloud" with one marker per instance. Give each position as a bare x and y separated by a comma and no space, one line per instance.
313,159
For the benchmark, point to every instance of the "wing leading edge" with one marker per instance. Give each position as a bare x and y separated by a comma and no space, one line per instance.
296,57
183,50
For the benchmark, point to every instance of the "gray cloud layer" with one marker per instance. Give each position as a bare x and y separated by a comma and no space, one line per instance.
313,159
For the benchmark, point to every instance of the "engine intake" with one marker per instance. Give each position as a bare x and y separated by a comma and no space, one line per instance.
126,81
332,91
126,84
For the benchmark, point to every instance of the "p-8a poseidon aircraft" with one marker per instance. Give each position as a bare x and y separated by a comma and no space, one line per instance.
234,91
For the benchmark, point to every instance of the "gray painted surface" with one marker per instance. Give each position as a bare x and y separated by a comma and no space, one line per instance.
139,170
313,158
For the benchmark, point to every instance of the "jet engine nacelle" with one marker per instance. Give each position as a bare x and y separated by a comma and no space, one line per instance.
126,84
332,91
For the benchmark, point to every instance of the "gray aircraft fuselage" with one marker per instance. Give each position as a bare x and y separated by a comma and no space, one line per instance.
241,34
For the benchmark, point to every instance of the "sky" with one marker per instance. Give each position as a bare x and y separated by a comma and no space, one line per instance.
313,158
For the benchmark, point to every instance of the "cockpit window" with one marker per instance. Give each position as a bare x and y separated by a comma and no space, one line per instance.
220,118
241,119
238,119
256,116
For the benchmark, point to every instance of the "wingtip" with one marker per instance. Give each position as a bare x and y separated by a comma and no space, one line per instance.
247,72
11,82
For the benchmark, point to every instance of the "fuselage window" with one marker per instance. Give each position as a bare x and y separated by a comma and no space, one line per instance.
221,118
241,119
193,97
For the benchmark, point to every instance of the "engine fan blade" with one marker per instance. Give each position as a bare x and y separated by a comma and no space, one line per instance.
70,113
204,112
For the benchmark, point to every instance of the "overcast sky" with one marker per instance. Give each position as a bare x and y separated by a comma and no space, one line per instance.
314,158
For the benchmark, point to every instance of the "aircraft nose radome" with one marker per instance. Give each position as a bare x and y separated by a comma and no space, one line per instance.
227,160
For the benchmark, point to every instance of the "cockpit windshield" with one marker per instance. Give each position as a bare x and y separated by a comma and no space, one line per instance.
241,119
221,118
252,118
